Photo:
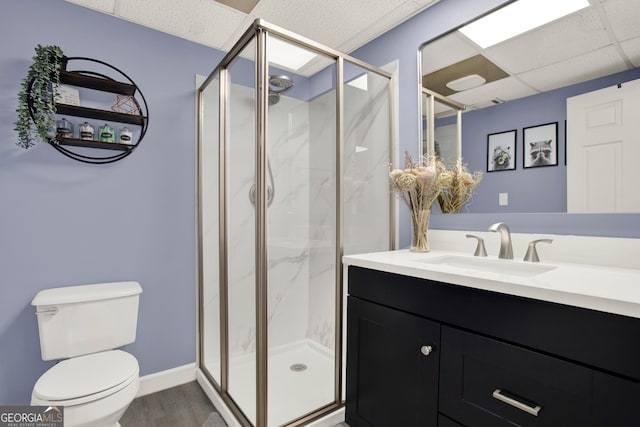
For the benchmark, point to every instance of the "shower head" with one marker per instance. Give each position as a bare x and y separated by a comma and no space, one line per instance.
280,83
274,97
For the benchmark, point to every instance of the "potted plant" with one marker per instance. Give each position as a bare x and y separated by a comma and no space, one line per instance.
36,106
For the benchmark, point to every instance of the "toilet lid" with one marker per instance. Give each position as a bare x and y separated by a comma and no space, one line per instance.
86,375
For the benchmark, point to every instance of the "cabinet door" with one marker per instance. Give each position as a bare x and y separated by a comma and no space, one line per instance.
392,367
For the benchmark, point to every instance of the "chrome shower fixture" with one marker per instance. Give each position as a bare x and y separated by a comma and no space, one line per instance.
278,84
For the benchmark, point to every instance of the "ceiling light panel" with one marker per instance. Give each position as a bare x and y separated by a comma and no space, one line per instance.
288,55
517,18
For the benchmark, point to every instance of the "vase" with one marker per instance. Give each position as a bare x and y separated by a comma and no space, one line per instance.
419,231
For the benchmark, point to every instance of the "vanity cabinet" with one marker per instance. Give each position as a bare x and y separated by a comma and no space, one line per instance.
496,359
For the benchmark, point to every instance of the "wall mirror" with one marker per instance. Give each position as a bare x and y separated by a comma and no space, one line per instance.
521,83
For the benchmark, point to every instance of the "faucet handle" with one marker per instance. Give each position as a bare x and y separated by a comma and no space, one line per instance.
532,253
480,249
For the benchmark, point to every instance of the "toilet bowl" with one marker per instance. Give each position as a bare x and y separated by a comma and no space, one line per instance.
95,389
95,383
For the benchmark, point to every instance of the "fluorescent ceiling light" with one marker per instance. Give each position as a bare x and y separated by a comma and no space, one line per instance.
517,18
288,55
359,82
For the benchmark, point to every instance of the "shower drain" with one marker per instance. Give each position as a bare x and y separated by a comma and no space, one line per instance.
298,367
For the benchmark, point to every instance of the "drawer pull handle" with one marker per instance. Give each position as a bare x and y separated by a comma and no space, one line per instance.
533,410
426,350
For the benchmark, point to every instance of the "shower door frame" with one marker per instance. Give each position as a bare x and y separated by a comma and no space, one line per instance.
260,30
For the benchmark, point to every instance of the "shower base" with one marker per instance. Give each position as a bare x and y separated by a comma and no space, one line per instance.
300,380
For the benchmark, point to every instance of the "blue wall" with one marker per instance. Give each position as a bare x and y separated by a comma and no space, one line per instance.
402,43
65,223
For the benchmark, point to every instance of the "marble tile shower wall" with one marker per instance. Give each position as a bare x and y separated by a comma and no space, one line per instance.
302,216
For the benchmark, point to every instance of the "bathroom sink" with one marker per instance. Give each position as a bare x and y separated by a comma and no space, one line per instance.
492,265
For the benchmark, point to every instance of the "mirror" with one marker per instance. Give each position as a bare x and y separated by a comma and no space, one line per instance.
523,84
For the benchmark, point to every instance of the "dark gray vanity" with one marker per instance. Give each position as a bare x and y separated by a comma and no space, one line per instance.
424,352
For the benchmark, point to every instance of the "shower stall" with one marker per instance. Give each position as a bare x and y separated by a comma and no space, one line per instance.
295,144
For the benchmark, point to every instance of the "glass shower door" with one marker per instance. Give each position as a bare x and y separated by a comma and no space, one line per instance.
301,239
241,232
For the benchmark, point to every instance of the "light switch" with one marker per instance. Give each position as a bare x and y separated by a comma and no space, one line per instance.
503,199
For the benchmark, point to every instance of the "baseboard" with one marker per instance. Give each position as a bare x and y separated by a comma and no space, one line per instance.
163,380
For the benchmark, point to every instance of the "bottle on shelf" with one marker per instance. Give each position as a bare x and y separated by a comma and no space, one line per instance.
64,128
126,136
106,134
86,131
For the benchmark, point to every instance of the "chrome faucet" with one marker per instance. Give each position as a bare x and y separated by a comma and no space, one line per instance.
506,250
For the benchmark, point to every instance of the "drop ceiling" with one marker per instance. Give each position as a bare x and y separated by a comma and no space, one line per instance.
339,24
597,41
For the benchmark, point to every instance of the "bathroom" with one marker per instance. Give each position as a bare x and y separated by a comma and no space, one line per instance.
136,219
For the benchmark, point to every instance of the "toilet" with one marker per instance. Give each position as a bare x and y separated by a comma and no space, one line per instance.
85,325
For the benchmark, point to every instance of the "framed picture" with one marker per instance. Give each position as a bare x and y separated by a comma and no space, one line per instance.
540,145
501,151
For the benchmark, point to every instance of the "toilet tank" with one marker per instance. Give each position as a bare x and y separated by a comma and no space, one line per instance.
78,320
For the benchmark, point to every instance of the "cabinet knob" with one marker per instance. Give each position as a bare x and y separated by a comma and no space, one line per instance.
426,350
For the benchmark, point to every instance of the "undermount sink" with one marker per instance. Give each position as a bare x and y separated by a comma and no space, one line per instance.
492,265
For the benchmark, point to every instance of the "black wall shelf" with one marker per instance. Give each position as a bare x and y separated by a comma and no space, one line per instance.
98,75
76,142
94,113
97,83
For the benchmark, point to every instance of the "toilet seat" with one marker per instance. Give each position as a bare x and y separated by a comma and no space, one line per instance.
86,378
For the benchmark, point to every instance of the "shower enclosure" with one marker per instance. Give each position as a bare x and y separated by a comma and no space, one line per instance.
295,144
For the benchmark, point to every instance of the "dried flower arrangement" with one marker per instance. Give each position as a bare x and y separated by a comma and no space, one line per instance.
418,184
458,186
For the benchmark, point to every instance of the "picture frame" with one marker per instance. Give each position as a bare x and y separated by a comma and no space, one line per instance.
540,145
501,151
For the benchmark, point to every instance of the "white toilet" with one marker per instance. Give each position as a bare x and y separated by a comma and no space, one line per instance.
84,325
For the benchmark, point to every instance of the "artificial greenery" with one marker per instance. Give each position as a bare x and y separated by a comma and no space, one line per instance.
41,86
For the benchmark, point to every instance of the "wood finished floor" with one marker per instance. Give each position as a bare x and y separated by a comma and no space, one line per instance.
182,406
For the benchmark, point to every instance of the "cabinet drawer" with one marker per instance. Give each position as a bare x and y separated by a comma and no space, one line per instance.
485,382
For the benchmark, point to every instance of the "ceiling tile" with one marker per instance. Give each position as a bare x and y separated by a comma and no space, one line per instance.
445,51
105,6
505,89
329,22
631,48
572,36
624,16
245,6
586,67
203,21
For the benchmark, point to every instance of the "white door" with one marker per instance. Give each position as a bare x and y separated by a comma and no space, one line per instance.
603,150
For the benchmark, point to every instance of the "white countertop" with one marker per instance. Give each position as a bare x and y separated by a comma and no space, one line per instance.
608,289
